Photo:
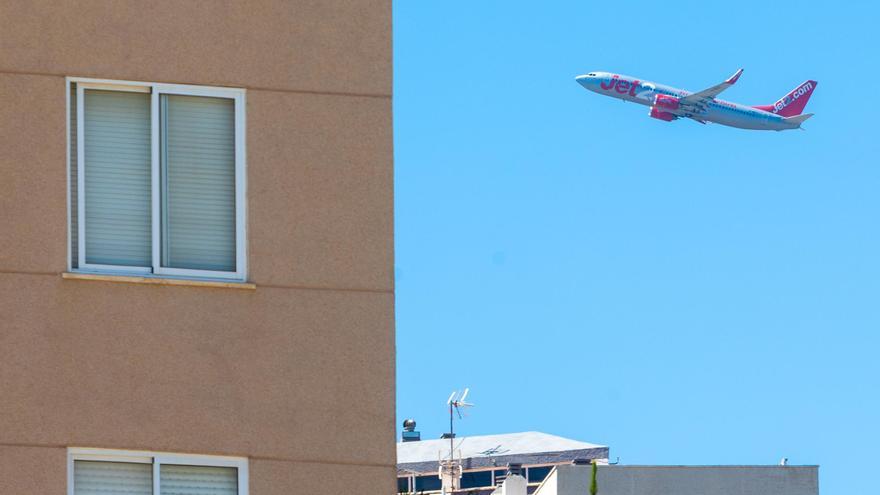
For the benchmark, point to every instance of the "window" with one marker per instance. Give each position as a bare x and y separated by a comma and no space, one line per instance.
403,485
537,474
428,483
101,472
157,179
476,479
499,475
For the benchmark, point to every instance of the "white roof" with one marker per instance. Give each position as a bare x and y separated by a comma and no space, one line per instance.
529,442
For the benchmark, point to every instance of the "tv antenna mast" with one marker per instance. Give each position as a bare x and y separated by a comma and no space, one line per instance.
451,469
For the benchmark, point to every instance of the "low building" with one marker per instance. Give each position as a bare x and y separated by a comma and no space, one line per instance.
681,480
485,459
535,463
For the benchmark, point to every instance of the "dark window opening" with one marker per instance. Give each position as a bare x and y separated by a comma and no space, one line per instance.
476,479
537,474
428,483
402,485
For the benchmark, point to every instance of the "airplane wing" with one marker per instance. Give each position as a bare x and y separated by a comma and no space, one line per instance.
701,99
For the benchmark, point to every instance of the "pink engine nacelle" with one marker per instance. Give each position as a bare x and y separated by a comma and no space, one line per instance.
662,103
660,114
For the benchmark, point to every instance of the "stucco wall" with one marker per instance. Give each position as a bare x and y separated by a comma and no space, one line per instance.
341,46
296,375
684,480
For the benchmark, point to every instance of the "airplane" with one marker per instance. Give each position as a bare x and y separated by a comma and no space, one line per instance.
669,103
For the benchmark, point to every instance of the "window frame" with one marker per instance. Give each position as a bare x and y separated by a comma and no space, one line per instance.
156,459
156,90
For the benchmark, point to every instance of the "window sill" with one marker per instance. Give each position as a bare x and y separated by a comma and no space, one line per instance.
135,279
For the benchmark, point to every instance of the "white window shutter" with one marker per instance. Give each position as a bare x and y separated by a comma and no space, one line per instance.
198,480
117,165
198,175
116,478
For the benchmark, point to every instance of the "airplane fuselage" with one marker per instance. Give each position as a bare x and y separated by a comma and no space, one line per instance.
643,92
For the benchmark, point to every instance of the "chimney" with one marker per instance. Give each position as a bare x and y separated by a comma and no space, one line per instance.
409,431
514,483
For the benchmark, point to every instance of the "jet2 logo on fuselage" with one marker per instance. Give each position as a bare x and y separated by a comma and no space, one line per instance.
623,87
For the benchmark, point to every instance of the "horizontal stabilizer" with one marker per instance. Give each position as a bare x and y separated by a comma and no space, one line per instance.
799,119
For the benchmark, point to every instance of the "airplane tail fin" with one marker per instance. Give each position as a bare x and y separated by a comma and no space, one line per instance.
794,102
798,119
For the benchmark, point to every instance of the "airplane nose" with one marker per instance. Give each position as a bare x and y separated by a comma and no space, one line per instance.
583,80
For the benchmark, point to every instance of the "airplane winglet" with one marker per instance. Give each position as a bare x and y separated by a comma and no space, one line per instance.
732,79
704,97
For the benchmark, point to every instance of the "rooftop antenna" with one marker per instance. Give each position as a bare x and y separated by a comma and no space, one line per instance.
455,402
450,470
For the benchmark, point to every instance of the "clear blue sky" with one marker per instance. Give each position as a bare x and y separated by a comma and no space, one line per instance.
682,293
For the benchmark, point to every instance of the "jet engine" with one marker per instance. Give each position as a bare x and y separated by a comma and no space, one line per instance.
663,103
660,114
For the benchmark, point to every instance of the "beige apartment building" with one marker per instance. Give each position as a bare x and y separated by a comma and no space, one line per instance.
196,247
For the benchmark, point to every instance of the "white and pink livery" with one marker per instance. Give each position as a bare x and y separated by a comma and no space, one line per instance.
669,103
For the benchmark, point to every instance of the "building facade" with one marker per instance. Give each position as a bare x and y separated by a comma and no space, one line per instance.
196,247
683,480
